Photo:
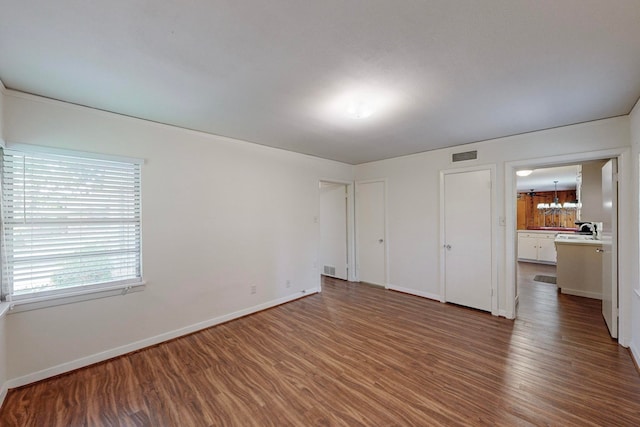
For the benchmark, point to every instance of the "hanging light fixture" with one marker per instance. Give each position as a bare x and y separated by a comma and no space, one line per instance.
555,204
556,208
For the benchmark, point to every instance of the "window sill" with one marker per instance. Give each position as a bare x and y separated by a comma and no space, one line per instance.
37,303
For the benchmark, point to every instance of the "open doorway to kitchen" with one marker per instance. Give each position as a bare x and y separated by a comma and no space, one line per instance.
547,203
559,229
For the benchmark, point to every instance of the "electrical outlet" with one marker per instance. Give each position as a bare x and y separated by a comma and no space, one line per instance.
288,283
253,289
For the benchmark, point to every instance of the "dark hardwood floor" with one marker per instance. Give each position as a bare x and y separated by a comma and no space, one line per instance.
357,355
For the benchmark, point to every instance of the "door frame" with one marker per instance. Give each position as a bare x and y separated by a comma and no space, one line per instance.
494,232
386,229
625,222
613,271
350,226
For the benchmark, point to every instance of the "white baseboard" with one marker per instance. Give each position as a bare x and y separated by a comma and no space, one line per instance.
511,315
635,353
3,393
581,293
428,295
414,292
147,342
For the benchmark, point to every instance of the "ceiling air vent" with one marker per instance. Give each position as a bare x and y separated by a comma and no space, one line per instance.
467,155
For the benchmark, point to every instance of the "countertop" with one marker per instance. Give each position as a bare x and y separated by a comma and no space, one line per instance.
548,232
563,229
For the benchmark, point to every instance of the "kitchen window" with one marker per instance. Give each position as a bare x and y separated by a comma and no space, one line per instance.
71,224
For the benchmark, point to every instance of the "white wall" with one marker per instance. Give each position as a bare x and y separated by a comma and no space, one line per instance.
2,91
413,195
635,278
219,215
3,359
3,342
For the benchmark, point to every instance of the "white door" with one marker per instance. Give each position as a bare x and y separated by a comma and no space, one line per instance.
467,239
609,246
333,230
370,230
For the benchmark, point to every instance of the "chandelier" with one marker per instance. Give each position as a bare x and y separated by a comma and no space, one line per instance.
557,209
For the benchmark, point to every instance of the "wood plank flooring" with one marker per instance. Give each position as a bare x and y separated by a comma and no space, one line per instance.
357,355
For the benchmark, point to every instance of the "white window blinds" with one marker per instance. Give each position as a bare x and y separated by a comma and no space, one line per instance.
68,222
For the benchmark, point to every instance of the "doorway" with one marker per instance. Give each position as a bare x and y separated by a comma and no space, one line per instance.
334,230
547,205
589,192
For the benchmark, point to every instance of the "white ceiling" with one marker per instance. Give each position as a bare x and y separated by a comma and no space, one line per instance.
543,179
280,72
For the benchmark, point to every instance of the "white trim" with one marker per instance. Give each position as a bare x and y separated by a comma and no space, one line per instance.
62,298
494,232
386,229
147,342
30,148
409,291
581,293
624,223
375,285
635,353
3,392
351,231
637,291
502,313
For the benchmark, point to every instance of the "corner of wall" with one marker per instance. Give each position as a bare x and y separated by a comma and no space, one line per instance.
2,94
4,384
634,116
3,344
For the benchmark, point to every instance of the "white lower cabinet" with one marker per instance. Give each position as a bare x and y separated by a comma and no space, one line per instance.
537,247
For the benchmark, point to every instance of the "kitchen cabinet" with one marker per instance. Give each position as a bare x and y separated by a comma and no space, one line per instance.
537,247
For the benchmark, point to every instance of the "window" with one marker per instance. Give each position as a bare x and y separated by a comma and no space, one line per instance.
69,224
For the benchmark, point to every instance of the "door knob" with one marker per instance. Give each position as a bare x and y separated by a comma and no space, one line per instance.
380,240
599,250
447,247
